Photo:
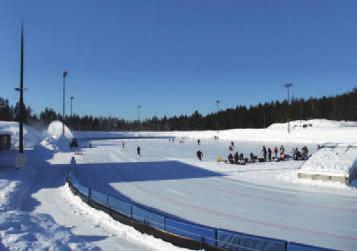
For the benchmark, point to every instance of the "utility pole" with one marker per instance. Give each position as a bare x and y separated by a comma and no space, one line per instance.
139,107
64,75
72,105
288,86
21,90
217,104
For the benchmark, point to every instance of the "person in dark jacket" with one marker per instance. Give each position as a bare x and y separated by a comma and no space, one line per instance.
230,158
236,157
269,153
199,154
138,150
264,151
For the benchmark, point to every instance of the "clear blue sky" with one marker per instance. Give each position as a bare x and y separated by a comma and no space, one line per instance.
173,57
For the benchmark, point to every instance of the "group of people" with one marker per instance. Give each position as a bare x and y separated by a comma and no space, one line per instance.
267,154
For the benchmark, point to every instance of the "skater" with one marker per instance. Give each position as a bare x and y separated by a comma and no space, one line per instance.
241,158
198,142
90,145
282,152
276,150
123,144
252,157
138,150
264,151
305,153
73,161
236,157
199,154
269,153
230,158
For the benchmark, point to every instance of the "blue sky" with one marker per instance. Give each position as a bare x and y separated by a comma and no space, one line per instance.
173,57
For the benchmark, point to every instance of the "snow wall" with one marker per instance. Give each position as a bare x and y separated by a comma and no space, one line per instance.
176,230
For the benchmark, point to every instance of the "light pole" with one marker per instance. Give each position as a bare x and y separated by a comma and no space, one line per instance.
217,104
288,86
64,75
72,105
139,107
21,90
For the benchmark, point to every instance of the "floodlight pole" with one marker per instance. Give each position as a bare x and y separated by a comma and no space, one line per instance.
288,86
72,105
21,90
64,75
217,104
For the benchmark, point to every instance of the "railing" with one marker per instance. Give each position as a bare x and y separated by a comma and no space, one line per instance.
177,231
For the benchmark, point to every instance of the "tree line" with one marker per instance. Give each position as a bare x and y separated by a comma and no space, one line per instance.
338,107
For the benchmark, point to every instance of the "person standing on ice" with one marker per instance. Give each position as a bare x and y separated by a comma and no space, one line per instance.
198,142
123,144
276,150
138,150
73,161
269,153
236,157
199,154
264,150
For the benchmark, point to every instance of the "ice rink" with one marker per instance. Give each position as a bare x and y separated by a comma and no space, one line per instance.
260,198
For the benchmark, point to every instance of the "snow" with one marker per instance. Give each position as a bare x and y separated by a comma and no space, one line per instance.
322,131
37,210
55,130
258,198
338,160
31,136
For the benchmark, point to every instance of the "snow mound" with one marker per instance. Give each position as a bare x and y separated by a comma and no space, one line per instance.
55,130
33,231
333,160
31,136
315,123
56,144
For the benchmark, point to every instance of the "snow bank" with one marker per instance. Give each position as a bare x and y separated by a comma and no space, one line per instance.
314,123
317,131
33,231
55,130
340,160
31,136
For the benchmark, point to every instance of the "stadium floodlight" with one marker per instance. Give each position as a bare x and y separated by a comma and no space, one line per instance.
288,86
64,75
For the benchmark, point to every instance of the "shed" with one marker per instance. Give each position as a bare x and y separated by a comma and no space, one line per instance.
5,141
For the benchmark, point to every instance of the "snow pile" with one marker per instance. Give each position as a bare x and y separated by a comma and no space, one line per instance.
56,144
340,160
314,123
55,130
31,136
33,231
